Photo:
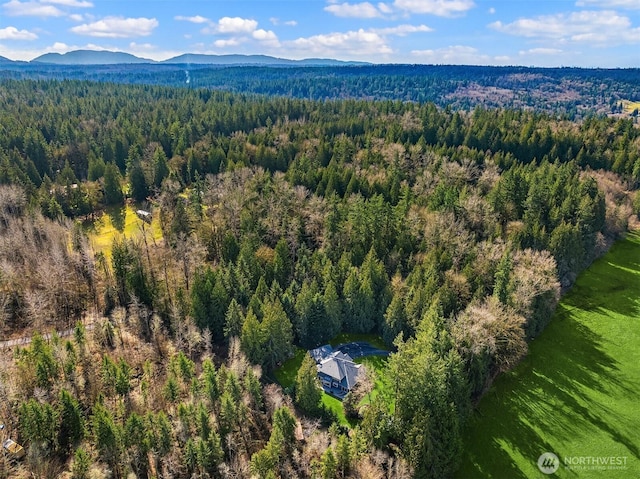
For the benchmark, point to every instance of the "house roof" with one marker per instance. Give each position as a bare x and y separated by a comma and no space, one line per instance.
341,368
321,353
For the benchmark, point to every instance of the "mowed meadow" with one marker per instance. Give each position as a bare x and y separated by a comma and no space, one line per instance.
117,222
576,392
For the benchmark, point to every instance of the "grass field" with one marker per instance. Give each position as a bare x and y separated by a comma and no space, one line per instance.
630,106
577,393
115,222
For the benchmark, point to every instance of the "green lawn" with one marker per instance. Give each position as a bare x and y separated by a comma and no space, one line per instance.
116,222
375,364
285,375
577,393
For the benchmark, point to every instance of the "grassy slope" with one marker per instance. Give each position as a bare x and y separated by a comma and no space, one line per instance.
577,393
117,221
629,106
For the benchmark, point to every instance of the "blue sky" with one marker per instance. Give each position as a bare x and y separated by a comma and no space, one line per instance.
589,33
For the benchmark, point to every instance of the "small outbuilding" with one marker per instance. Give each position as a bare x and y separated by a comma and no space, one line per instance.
144,216
13,449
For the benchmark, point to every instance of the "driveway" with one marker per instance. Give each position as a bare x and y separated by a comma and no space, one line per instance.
359,349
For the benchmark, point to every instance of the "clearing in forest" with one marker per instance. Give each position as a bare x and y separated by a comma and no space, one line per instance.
285,375
577,392
118,222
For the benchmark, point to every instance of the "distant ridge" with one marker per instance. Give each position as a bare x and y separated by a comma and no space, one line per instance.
104,57
90,57
5,60
201,59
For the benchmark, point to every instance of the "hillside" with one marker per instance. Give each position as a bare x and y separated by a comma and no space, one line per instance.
571,92
89,57
201,59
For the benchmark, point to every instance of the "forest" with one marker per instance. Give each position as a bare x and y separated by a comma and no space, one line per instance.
449,234
571,92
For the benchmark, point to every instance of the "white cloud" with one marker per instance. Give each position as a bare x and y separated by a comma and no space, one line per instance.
230,42
492,10
402,30
597,28
541,51
384,8
266,37
353,43
455,54
440,8
628,4
353,10
118,27
12,33
276,21
77,17
195,19
236,25
15,8
70,3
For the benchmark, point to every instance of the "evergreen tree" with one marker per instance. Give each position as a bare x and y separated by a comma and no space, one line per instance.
107,435
138,188
233,320
282,264
308,391
278,334
112,185
253,339
160,167
72,423
502,278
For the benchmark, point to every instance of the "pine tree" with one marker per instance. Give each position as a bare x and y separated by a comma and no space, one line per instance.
329,464
502,278
72,423
160,167
112,185
138,187
253,339
277,334
308,392
234,320
107,435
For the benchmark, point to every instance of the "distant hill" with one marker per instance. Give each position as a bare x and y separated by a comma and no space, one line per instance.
89,57
200,59
94,57
5,60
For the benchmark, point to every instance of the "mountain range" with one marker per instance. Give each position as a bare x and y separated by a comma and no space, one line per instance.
97,57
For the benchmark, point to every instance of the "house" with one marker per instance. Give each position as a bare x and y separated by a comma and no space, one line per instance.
337,372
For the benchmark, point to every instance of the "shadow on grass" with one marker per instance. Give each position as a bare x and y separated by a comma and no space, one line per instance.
563,389
286,374
117,215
